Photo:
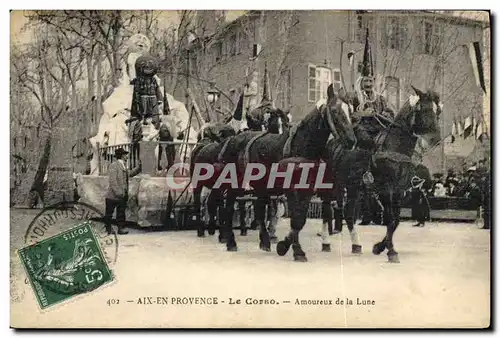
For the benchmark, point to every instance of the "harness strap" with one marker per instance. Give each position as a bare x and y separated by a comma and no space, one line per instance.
223,150
246,156
288,144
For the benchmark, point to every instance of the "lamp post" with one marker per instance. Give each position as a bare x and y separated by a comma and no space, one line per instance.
212,98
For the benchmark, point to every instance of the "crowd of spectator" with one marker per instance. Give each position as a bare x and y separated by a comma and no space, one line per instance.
473,183
468,183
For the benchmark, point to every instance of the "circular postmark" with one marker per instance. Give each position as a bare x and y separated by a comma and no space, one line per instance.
61,218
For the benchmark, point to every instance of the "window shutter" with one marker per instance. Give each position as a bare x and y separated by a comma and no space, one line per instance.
419,35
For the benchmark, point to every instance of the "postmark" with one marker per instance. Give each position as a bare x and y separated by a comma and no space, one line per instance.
68,253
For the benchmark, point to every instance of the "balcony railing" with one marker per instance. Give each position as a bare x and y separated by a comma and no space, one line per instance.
152,155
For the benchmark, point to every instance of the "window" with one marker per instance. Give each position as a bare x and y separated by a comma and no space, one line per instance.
232,45
431,38
224,50
364,21
218,52
392,92
238,42
397,33
283,97
337,80
318,80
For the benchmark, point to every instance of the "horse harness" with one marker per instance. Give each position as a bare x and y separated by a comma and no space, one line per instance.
246,156
368,178
288,144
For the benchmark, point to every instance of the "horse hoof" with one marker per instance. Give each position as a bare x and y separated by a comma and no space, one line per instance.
274,239
300,258
378,249
211,232
232,248
394,258
282,248
325,248
201,234
264,247
222,239
243,232
357,249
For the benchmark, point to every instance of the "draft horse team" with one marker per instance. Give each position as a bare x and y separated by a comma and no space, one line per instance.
326,135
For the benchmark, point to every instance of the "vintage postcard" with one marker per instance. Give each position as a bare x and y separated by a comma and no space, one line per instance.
250,169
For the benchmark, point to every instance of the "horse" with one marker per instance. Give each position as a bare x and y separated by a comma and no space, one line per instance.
390,164
303,143
219,153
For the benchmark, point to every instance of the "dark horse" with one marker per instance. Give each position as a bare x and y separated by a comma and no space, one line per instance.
390,164
303,144
277,124
216,140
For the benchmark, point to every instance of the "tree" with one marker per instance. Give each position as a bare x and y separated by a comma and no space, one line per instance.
48,72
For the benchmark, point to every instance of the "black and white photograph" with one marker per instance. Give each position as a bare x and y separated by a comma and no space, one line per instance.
250,169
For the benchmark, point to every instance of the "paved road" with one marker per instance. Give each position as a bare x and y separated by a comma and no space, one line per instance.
443,280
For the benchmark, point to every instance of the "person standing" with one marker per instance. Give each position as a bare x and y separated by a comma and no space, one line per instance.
117,195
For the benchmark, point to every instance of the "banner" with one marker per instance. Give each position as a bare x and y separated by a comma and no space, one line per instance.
477,63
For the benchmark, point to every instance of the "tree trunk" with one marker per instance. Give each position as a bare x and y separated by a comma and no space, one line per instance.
117,32
37,187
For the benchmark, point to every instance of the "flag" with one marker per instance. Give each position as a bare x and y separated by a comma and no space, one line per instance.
468,126
479,129
477,63
256,50
458,147
266,91
453,132
235,120
350,58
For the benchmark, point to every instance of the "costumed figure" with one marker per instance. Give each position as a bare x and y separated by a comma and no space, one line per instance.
146,101
370,108
147,97
371,114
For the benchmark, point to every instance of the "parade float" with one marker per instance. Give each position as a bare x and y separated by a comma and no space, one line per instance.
151,202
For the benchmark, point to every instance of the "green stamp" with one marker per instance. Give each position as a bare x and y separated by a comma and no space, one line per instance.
65,265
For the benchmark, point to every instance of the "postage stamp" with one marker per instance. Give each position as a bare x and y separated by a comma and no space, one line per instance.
69,253
65,265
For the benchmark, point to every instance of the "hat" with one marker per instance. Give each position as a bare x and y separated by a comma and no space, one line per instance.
416,181
120,152
367,65
437,175
473,168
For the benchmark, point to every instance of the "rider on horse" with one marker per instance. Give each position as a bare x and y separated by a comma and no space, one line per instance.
371,115
371,111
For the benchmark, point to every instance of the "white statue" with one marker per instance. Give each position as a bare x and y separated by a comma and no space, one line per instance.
117,107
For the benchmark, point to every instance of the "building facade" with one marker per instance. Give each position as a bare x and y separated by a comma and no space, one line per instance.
305,51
